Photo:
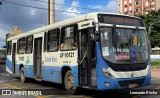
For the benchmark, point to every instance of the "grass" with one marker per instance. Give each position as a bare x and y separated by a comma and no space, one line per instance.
155,63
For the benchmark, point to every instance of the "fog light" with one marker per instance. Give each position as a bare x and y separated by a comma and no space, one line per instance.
107,84
149,70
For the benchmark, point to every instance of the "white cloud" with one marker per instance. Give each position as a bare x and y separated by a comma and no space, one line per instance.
32,11
70,11
31,18
99,7
73,11
3,31
75,3
59,4
110,7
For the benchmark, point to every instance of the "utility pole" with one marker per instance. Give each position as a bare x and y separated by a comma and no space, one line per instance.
51,11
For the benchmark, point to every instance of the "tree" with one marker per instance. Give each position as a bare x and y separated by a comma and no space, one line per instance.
4,46
3,51
155,32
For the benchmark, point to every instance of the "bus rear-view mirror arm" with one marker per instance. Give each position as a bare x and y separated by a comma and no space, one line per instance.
96,33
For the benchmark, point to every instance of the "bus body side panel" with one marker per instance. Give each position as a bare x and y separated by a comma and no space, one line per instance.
114,83
28,65
25,60
9,63
51,73
17,69
100,75
53,62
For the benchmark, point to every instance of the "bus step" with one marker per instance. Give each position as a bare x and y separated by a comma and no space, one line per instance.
85,87
38,79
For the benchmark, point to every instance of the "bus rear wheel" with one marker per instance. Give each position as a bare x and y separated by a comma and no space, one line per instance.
22,76
69,83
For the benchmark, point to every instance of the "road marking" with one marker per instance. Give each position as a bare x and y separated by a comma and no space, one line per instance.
13,83
150,90
3,81
4,74
12,86
48,96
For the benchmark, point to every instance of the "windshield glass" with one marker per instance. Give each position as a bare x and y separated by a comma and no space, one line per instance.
124,46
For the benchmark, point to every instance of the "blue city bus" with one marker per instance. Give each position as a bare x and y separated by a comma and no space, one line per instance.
99,51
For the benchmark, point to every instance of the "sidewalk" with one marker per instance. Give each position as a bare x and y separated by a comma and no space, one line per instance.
155,72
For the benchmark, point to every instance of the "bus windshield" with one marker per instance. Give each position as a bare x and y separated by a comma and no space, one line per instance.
123,45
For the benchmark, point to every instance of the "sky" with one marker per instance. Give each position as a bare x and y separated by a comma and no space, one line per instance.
32,14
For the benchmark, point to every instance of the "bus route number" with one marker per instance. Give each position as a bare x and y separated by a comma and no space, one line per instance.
66,54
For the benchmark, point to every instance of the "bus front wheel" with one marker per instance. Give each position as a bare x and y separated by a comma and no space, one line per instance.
22,75
69,82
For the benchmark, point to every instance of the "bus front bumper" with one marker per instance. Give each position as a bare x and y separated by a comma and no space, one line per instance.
122,83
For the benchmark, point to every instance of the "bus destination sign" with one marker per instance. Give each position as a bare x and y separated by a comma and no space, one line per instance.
120,20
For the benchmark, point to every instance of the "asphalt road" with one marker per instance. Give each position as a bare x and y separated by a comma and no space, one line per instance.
52,90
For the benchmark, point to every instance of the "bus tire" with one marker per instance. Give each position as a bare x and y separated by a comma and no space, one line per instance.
22,76
69,83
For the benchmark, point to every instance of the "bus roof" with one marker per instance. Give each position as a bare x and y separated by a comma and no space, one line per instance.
90,16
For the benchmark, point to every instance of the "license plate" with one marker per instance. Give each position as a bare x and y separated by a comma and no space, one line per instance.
132,85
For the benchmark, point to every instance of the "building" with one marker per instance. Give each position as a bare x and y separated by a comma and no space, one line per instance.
135,7
15,31
119,6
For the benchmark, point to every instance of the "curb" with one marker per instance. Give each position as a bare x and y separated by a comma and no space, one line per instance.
155,70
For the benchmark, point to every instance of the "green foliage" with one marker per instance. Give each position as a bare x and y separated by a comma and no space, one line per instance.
155,62
3,52
155,32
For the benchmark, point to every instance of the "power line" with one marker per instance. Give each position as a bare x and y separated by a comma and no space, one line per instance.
74,6
13,3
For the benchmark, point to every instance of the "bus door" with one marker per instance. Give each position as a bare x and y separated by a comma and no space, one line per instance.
86,51
13,57
37,58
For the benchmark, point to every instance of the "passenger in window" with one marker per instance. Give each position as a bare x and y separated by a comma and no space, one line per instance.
67,45
74,44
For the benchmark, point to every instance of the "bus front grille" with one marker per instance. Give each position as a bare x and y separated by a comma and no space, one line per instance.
127,67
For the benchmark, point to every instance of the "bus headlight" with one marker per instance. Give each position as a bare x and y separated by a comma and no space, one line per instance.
149,70
106,72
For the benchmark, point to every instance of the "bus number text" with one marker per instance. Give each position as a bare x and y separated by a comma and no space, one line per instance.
66,54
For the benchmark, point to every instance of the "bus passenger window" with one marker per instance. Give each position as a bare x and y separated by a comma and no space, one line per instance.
53,40
22,45
29,44
68,39
9,48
